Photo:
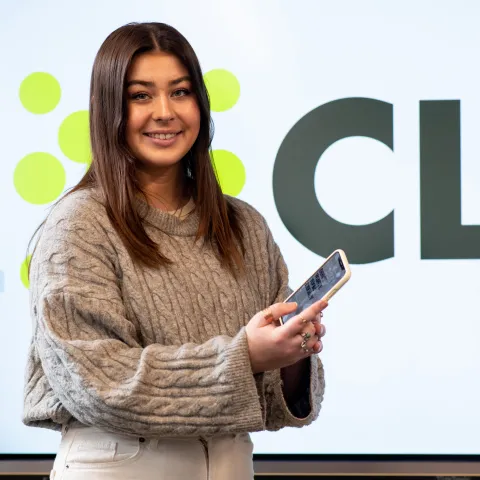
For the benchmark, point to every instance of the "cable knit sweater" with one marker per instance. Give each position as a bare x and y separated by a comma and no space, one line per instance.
151,351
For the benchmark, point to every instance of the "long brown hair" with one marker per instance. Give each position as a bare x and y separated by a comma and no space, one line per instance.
112,171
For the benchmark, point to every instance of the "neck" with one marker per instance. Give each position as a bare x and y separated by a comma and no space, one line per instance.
165,188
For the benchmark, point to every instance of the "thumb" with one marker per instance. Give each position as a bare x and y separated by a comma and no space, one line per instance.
274,312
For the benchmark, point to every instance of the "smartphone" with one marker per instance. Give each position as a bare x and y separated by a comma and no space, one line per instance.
332,275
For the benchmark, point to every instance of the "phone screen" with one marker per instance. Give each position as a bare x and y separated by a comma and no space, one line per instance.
318,285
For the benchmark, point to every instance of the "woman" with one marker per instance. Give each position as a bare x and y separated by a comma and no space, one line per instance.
155,299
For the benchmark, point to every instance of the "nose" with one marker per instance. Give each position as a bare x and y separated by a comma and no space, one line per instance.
162,109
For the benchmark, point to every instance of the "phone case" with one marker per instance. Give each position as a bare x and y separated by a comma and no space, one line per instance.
338,286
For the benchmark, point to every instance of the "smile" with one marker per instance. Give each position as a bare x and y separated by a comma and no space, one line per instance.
163,140
162,136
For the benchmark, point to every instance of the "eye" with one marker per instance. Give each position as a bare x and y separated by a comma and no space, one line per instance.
139,96
182,92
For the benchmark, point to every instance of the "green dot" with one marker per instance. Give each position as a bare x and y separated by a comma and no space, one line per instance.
39,178
223,89
230,171
24,272
74,137
40,92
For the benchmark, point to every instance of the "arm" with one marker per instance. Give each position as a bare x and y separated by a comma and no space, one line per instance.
95,365
292,395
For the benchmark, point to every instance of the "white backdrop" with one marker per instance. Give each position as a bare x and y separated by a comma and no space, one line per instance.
401,353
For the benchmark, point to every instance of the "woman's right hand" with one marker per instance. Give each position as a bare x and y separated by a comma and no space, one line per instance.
272,346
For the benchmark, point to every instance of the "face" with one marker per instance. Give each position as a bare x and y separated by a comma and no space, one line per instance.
163,115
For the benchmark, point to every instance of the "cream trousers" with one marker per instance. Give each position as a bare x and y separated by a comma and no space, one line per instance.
89,453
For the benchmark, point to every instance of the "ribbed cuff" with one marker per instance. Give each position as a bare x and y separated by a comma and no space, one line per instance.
260,383
315,396
249,414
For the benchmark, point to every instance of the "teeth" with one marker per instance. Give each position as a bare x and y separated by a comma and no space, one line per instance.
162,136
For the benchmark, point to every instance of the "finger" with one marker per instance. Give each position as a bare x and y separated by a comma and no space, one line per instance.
320,329
308,338
314,311
309,330
308,335
318,307
311,346
274,312
297,323
318,318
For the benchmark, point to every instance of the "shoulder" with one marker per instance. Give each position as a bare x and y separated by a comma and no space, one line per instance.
80,207
78,221
73,244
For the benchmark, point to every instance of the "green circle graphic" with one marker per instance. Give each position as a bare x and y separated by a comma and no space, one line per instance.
230,171
39,178
24,272
74,137
40,92
223,89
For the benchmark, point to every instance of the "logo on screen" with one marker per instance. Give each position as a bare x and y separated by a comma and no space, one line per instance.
442,234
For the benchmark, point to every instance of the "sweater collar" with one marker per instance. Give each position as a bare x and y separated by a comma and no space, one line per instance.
168,223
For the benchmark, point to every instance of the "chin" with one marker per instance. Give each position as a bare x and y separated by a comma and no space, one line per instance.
152,161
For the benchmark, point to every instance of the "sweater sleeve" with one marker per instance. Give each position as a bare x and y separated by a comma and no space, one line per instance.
277,412
95,365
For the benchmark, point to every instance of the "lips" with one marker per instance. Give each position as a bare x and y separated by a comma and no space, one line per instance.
163,139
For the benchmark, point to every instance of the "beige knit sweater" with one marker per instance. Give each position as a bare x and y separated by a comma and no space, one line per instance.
151,351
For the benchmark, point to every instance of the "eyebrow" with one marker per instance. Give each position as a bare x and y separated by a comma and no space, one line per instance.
144,83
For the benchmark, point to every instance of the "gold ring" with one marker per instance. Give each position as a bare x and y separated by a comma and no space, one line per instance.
304,347
268,315
306,336
304,320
